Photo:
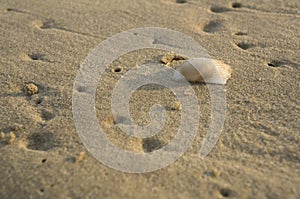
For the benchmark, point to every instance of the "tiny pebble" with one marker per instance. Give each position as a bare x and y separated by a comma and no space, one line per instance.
12,138
31,89
80,157
176,106
2,135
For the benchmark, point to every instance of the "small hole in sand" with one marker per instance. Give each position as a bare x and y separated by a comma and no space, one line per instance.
213,26
275,63
240,33
271,64
117,70
244,45
36,56
47,115
42,190
44,160
152,144
219,9
70,159
81,89
48,24
236,5
39,101
181,1
14,10
225,192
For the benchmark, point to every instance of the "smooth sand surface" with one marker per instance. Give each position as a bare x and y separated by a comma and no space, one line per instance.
45,42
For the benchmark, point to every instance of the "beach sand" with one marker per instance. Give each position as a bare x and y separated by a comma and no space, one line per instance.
42,45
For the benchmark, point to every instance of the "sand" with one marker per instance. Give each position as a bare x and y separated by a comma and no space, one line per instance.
43,44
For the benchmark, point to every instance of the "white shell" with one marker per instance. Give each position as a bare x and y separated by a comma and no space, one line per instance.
204,70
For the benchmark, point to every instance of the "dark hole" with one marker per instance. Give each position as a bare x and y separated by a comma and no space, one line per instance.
39,101
47,115
135,33
44,160
236,5
14,10
81,89
244,45
240,33
71,159
218,9
48,24
152,144
246,101
225,192
181,1
42,190
36,56
271,64
213,26
276,63
117,70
